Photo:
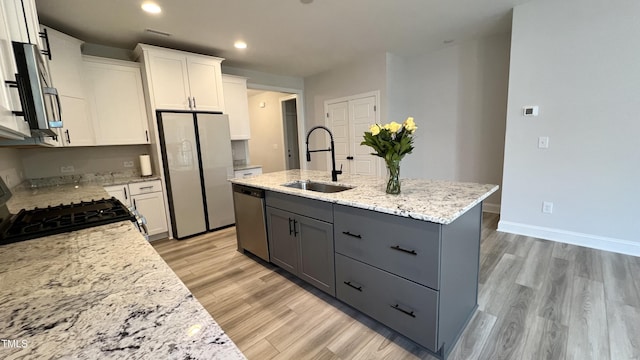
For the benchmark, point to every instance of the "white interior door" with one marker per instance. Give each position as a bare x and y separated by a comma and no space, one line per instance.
348,119
338,116
362,114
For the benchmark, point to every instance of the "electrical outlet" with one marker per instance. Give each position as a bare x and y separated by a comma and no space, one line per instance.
128,164
543,142
547,207
67,169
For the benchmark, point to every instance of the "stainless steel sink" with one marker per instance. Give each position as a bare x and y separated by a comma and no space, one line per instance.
316,186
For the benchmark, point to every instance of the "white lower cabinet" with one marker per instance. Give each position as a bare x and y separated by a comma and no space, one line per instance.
151,206
120,192
245,173
148,198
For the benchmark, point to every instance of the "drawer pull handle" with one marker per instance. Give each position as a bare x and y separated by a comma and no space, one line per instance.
290,230
397,247
348,283
352,235
397,307
146,187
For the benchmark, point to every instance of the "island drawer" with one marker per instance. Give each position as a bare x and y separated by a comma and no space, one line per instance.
405,247
315,209
404,306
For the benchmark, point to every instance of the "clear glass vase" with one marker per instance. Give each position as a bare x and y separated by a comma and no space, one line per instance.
393,184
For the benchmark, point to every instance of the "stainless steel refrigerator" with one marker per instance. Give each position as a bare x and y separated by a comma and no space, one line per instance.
196,151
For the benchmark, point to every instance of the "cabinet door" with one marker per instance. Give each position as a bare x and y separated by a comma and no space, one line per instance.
9,123
283,246
77,129
316,253
205,82
66,64
236,105
119,192
20,20
118,107
151,206
169,80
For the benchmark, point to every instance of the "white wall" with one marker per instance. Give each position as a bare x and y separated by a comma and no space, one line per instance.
258,79
355,78
458,97
10,167
397,92
579,60
46,162
266,146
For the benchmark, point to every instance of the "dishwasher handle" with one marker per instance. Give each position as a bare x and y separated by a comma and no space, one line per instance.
249,191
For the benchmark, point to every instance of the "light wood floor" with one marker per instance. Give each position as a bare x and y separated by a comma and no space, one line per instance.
538,300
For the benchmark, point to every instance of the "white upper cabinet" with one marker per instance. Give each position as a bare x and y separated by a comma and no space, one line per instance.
23,21
11,126
114,90
205,82
182,81
66,73
236,105
169,80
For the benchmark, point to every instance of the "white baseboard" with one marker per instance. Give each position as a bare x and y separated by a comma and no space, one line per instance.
491,208
569,237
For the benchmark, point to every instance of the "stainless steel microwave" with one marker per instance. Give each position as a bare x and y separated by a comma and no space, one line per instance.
40,101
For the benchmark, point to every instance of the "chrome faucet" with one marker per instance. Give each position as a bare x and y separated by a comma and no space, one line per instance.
334,172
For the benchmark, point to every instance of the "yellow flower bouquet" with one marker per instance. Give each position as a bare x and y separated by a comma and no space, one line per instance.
391,142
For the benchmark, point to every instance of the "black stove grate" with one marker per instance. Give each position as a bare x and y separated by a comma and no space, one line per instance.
39,222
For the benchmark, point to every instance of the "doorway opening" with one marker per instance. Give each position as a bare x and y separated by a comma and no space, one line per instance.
290,127
277,129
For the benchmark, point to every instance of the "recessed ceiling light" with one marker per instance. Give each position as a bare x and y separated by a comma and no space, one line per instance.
151,8
240,44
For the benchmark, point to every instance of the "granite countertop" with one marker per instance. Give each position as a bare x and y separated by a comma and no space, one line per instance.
101,293
30,198
429,200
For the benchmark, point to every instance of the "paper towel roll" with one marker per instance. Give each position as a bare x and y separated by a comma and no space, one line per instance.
145,165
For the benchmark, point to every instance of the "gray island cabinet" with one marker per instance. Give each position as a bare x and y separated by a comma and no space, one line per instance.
409,261
300,234
418,278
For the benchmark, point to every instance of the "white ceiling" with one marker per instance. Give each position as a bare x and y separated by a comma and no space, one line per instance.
284,37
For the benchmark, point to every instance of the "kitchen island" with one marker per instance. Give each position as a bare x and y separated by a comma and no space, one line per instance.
98,293
409,261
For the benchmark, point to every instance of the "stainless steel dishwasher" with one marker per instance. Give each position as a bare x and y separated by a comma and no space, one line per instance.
251,226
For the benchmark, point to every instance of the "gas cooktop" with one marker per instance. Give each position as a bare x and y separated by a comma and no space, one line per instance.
39,222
